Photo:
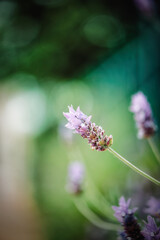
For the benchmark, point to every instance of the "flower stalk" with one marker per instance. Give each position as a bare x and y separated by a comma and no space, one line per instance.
136,169
154,149
93,218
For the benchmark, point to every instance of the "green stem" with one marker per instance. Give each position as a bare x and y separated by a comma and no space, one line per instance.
134,167
93,218
100,202
154,149
103,209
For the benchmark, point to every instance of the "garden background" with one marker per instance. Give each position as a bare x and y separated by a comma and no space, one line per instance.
92,54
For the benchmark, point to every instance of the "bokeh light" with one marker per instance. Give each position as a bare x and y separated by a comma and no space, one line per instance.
104,31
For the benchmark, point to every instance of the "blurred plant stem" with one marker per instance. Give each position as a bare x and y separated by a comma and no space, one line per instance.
154,148
99,202
92,217
101,205
134,167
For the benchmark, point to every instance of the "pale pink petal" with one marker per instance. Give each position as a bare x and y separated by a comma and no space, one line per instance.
67,115
71,109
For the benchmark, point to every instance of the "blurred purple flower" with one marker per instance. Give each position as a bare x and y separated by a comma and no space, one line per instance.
82,125
76,174
123,209
142,115
147,7
151,231
153,207
131,228
126,217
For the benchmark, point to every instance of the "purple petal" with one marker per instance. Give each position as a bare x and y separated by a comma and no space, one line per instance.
151,224
71,109
88,119
122,201
128,202
67,115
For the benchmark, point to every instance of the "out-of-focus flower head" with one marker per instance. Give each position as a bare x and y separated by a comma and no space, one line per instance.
76,175
123,209
147,7
151,231
82,125
126,217
143,115
153,207
132,228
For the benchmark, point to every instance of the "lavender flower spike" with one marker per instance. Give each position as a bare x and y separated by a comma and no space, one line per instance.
143,115
151,231
82,125
96,137
76,174
153,207
123,209
126,217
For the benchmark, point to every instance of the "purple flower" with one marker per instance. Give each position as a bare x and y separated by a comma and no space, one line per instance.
142,115
153,207
123,209
146,6
151,231
126,217
132,228
82,125
77,120
76,174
